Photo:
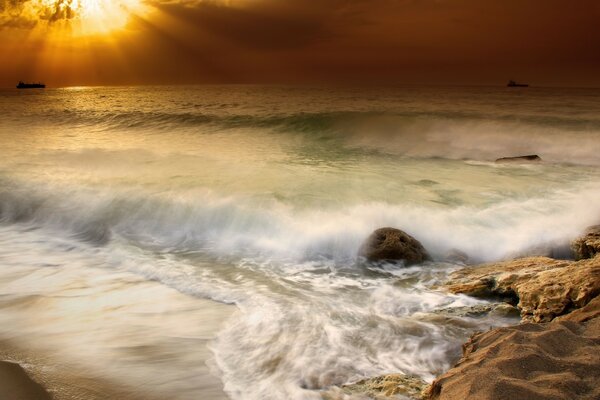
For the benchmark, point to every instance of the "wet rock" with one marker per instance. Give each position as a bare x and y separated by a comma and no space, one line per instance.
497,309
587,246
559,250
388,386
390,244
556,360
456,256
542,288
527,158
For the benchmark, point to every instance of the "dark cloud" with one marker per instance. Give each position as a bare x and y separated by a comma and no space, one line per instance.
261,26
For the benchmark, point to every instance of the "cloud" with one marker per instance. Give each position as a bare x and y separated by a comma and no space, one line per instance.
412,41
264,25
26,14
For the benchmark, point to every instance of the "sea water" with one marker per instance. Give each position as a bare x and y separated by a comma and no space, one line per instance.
201,242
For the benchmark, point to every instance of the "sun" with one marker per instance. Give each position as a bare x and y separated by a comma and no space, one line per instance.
86,17
102,16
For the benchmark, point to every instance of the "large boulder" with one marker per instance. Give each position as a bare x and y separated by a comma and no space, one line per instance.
542,288
588,245
391,244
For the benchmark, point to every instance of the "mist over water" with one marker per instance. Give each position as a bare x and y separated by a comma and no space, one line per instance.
260,197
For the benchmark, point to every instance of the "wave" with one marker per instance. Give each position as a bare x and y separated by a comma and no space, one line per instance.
443,134
307,121
230,227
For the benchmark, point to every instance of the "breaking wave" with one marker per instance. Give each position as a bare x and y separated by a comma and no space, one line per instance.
234,227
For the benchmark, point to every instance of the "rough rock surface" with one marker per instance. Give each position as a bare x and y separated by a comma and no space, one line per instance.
542,288
587,246
389,385
584,314
390,244
551,361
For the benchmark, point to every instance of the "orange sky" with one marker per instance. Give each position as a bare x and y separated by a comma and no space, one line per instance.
549,42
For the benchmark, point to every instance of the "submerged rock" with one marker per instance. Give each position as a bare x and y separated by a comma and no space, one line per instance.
527,158
558,250
542,288
389,385
390,244
474,311
456,256
587,246
556,360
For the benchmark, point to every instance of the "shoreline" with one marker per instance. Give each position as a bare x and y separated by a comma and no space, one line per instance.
17,384
32,375
548,355
108,335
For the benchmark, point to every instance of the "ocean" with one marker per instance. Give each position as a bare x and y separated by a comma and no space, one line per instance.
201,242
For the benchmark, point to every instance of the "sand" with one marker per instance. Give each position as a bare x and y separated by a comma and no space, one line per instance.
31,375
15,384
547,361
91,333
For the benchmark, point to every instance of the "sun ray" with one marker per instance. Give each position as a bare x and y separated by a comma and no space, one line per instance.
74,18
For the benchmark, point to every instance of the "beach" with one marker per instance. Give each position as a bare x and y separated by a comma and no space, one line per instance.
96,335
189,242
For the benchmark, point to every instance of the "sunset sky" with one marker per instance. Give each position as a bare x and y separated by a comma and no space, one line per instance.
95,42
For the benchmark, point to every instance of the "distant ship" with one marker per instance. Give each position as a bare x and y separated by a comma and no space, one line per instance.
23,85
515,84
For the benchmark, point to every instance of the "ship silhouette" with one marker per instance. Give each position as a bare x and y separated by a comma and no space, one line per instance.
23,85
512,83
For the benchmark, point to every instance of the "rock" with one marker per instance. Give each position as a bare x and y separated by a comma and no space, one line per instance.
456,256
16,384
542,288
587,246
497,309
584,314
389,385
551,361
528,158
559,250
390,244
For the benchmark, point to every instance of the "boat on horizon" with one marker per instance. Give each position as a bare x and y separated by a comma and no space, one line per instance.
512,83
23,85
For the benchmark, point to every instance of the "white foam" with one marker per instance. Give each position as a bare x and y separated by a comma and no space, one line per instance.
234,228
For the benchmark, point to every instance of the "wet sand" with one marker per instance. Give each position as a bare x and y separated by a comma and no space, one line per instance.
15,384
29,375
90,333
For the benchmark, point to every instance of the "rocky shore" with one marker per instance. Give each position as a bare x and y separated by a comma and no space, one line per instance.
548,361
552,355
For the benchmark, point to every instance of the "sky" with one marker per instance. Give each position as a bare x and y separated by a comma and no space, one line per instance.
457,42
